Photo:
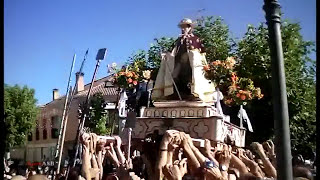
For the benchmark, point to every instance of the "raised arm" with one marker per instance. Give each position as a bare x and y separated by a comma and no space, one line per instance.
269,169
163,151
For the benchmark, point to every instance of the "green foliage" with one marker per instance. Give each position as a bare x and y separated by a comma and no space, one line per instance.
20,114
255,63
154,53
253,51
301,90
98,116
137,61
151,59
216,38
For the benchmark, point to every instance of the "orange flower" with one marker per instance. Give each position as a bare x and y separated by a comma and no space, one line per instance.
129,80
243,97
122,73
215,63
129,74
245,92
206,67
234,77
135,82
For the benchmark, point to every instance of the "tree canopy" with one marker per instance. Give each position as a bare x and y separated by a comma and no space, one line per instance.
255,62
98,120
20,114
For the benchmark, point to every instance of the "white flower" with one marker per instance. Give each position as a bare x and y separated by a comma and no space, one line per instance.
146,74
112,68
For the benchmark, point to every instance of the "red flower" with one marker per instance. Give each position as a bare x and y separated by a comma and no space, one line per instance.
234,77
206,67
129,80
238,95
135,82
243,97
215,63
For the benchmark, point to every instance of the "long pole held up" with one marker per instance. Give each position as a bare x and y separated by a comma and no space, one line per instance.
67,111
62,126
100,56
280,104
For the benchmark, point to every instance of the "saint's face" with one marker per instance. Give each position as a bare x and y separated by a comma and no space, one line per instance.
185,28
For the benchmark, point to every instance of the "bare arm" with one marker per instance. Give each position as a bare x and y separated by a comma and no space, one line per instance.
270,152
163,152
121,157
253,166
269,169
192,159
237,163
112,156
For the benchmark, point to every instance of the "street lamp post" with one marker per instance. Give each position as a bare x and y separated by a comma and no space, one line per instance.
280,105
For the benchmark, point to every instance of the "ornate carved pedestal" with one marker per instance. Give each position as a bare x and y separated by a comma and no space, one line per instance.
197,119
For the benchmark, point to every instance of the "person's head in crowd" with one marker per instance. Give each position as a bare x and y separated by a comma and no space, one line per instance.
38,177
229,140
33,172
39,170
12,167
22,170
46,170
111,177
138,166
62,177
74,173
298,160
18,177
304,172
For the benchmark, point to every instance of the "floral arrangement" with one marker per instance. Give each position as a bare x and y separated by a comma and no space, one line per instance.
130,76
126,79
241,91
219,72
236,90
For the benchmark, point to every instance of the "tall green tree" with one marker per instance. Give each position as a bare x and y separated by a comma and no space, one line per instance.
161,45
98,120
20,111
255,63
216,37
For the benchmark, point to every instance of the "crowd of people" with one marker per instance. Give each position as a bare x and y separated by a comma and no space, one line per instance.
16,171
172,156
175,156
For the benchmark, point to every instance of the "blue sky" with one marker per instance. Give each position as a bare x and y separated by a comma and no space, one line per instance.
40,37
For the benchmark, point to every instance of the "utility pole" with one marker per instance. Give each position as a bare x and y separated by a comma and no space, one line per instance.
279,93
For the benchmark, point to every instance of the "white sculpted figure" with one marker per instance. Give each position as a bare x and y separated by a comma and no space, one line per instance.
184,65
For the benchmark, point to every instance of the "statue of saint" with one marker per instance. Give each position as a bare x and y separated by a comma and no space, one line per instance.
181,71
